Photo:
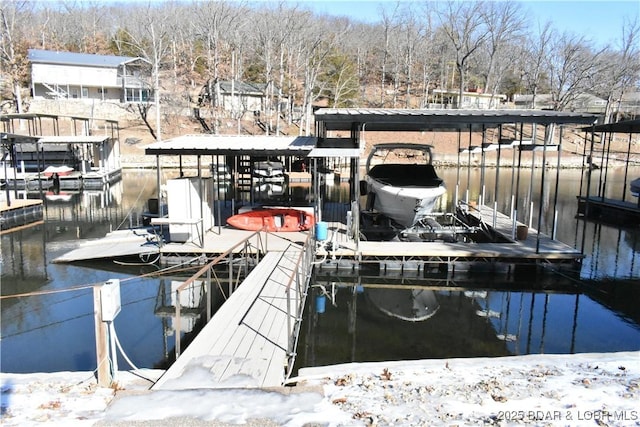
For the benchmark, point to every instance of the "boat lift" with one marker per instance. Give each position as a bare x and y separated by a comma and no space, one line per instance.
435,226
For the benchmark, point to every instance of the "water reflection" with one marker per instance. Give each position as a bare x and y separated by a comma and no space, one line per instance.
373,322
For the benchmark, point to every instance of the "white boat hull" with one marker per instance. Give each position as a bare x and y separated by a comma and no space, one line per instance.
268,172
404,204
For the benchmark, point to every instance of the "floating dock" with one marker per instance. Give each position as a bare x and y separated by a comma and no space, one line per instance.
20,212
609,210
593,201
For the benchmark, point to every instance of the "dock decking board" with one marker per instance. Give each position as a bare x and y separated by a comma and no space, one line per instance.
546,245
246,340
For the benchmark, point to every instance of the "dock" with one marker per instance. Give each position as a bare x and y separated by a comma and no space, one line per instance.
609,210
248,342
19,213
532,248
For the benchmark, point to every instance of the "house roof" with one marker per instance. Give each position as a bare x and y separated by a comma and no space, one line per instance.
243,87
74,58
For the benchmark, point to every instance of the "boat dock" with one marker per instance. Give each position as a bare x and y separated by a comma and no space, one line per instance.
251,340
596,201
611,210
20,212
533,249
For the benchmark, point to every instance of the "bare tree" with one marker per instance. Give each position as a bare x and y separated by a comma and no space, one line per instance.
317,43
465,27
150,36
15,16
572,67
505,26
534,60
621,70
212,21
389,25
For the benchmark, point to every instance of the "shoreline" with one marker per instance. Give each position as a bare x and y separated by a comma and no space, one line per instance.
559,389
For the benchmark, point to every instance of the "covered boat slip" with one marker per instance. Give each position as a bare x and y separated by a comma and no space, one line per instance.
342,133
90,161
595,201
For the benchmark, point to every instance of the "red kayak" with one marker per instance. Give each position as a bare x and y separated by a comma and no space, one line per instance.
273,220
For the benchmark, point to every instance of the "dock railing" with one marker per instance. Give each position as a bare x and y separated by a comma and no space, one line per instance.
254,245
251,248
299,281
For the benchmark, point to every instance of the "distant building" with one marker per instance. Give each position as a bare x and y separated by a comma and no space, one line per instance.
448,98
242,96
69,75
234,97
584,103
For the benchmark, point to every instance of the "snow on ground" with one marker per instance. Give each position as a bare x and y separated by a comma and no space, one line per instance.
581,389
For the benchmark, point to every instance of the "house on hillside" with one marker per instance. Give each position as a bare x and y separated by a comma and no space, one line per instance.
70,75
448,98
235,97
584,103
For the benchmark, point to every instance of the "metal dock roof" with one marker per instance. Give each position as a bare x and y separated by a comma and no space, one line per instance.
383,119
233,145
74,139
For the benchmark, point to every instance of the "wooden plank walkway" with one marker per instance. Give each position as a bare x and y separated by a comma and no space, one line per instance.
503,224
245,343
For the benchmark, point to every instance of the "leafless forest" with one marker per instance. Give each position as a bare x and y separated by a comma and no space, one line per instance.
397,62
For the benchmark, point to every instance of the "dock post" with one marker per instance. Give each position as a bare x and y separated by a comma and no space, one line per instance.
102,354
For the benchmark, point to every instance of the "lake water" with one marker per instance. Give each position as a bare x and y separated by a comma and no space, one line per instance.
348,319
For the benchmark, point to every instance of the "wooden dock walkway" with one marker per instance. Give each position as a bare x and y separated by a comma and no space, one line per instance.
535,244
245,344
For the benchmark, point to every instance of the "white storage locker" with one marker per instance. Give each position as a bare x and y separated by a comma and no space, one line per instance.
184,203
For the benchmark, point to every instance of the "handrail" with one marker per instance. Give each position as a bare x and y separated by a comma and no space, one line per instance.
227,255
301,274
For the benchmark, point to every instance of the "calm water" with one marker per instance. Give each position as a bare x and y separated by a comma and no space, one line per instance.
476,315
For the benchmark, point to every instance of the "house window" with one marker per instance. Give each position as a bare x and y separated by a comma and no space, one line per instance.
85,92
137,95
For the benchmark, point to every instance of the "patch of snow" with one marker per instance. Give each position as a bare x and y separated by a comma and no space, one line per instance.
579,389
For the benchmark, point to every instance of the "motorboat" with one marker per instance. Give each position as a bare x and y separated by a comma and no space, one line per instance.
63,170
273,220
403,191
411,305
220,172
268,171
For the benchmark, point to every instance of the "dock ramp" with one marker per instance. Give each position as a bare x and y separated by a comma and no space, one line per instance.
246,343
